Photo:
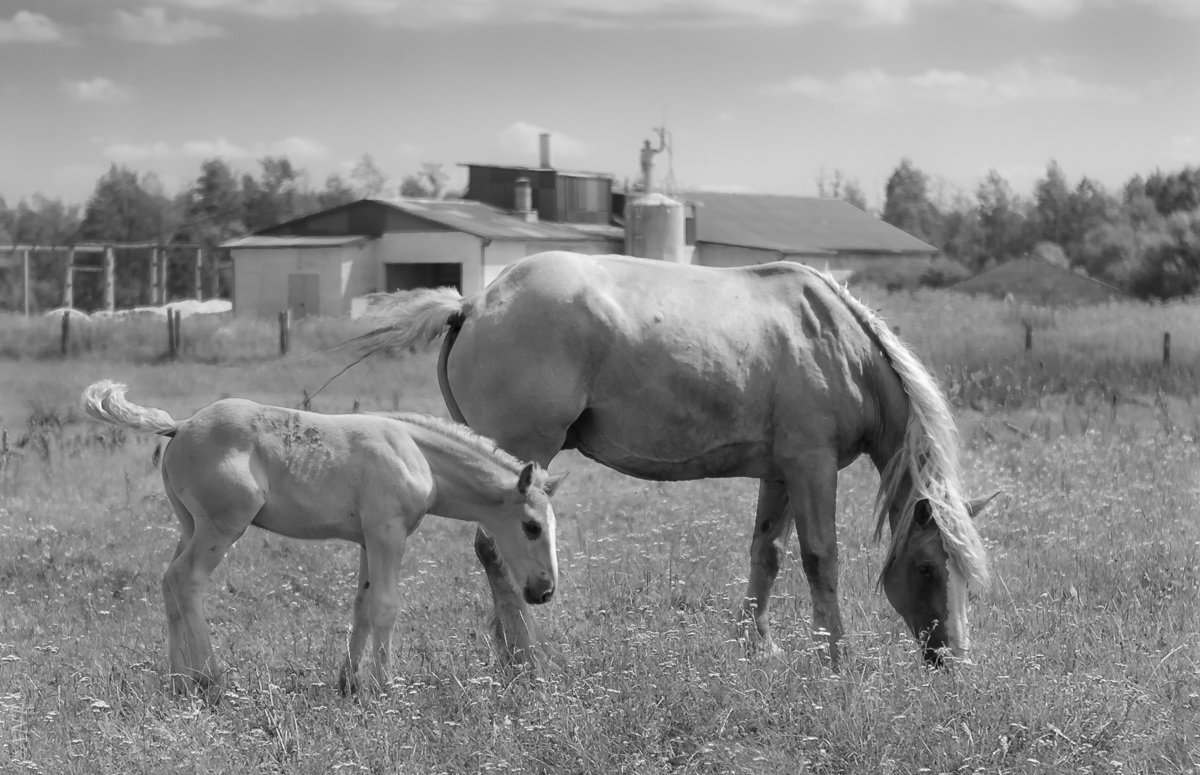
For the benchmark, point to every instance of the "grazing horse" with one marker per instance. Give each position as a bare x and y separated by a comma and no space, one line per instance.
671,372
363,478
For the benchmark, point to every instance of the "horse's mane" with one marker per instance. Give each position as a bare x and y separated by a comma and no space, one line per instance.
459,433
928,454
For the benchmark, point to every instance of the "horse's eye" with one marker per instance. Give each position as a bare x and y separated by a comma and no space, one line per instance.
926,571
532,530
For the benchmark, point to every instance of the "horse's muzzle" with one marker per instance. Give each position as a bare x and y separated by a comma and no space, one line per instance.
539,591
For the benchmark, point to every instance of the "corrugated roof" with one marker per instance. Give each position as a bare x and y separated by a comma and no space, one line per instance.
796,224
568,173
485,221
263,241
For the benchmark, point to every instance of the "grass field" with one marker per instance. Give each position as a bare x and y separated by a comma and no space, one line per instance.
1086,645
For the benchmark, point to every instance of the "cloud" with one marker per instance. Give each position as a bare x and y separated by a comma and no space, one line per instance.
875,89
100,90
210,148
29,27
123,153
153,26
522,137
294,148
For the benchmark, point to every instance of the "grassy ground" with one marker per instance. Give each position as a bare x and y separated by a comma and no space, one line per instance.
1087,644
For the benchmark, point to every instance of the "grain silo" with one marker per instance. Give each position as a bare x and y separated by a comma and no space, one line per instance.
654,228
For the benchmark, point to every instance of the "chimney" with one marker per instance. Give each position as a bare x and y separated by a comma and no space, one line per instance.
544,150
524,201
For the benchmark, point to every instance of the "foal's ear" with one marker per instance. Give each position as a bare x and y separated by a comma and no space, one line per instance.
978,504
526,478
923,513
553,482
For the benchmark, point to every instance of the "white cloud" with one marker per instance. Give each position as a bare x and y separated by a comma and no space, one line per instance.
210,148
130,152
874,88
293,148
29,27
97,89
522,137
153,26
409,149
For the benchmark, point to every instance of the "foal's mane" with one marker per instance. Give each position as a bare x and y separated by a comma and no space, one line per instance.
928,454
460,434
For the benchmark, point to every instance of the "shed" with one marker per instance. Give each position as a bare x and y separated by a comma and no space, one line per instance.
318,263
744,229
1033,280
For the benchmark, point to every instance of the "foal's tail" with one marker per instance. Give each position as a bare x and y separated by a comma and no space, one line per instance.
105,401
417,319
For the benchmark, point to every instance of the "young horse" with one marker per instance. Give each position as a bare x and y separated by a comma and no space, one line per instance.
672,372
362,478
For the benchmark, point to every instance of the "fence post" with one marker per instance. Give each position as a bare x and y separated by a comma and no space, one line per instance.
25,278
1166,348
66,332
110,271
198,283
285,324
178,345
1028,337
4,442
69,282
306,404
171,333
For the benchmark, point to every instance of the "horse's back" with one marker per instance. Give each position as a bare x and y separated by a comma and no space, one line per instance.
657,369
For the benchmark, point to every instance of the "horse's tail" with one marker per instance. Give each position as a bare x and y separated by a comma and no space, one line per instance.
106,402
418,318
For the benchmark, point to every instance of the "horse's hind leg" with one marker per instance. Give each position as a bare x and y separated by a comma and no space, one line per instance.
360,629
189,649
767,547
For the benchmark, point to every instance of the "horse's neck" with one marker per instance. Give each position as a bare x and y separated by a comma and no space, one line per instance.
465,479
886,439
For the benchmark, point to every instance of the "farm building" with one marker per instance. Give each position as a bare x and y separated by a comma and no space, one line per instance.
315,265
1032,280
742,229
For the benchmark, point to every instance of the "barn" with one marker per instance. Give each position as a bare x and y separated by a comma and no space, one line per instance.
317,264
744,229
1033,280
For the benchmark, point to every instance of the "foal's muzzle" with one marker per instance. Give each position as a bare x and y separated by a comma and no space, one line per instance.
538,591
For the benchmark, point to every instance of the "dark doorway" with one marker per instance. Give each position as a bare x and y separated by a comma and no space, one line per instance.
405,277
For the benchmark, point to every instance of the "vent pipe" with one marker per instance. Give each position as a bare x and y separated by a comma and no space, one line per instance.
544,150
523,196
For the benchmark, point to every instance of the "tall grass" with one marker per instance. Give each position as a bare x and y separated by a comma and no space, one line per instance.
1086,645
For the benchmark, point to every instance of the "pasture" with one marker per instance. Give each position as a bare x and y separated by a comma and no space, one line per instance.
1086,644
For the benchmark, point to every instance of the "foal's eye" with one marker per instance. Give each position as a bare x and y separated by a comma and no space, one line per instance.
532,530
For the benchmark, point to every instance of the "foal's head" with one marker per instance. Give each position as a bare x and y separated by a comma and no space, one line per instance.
927,590
524,531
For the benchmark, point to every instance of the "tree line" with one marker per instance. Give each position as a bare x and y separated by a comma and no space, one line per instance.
217,206
1144,238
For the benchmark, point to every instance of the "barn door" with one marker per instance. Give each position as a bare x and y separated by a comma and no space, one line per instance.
304,295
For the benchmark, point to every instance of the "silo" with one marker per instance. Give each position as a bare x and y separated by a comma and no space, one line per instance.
654,228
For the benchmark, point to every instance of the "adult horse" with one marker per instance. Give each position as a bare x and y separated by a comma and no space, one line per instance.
363,478
673,372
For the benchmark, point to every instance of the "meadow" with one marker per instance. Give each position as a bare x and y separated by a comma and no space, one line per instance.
1086,643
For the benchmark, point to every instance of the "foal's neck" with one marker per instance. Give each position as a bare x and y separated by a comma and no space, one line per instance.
466,479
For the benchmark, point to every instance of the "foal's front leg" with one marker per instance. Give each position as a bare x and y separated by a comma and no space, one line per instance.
360,629
384,550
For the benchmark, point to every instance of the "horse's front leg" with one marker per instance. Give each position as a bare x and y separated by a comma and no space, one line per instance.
767,547
513,628
360,629
812,490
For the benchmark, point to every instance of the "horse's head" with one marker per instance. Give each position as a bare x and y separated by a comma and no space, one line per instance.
927,590
524,532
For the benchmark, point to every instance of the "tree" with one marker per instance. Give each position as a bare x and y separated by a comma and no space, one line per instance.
842,187
121,210
214,204
336,192
1175,192
1051,216
962,231
1170,267
1000,219
367,179
274,197
907,204
428,183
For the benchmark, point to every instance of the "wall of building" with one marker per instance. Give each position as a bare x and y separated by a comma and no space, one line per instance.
432,247
261,277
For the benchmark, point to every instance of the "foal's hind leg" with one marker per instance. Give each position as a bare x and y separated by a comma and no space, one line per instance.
771,527
189,649
361,628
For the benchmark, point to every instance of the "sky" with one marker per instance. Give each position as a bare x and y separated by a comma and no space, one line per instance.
757,95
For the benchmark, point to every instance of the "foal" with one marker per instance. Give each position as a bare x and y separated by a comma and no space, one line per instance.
368,479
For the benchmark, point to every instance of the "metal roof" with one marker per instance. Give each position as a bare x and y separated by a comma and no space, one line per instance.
522,168
264,241
485,221
796,224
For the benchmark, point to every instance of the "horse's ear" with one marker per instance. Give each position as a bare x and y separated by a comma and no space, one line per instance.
923,513
526,478
978,504
553,482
